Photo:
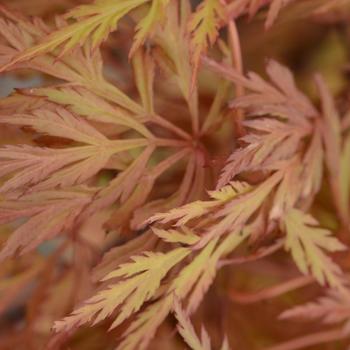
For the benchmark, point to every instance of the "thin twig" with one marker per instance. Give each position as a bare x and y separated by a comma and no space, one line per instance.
238,64
171,127
310,340
271,292
160,142
261,253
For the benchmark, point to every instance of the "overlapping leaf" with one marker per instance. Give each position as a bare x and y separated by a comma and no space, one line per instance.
308,243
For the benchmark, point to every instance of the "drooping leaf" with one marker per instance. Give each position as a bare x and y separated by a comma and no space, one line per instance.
93,21
187,331
308,245
132,292
204,28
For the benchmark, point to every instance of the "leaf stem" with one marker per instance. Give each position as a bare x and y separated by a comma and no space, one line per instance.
271,292
160,142
236,51
261,253
310,340
171,127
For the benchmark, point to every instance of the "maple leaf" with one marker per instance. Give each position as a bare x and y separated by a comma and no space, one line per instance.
147,24
185,328
307,243
195,209
195,274
204,28
281,96
302,179
203,269
82,67
176,236
66,166
276,141
152,179
87,104
331,308
47,168
143,329
93,22
175,56
58,122
272,139
235,213
132,292
50,213
121,253
187,331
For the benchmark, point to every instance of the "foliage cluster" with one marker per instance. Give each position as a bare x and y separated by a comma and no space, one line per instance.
159,158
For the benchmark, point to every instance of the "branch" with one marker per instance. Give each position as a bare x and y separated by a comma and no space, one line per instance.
261,253
310,340
271,292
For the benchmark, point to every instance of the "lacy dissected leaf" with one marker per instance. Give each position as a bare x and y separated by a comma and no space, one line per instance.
132,292
50,213
204,28
60,123
142,330
273,141
302,179
204,267
270,139
308,244
137,162
280,97
90,22
121,253
81,66
289,190
154,267
147,24
66,166
20,33
331,308
35,167
188,333
281,93
194,280
185,328
231,206
184,236
129,294
195,209
85,103
175,56
236,212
